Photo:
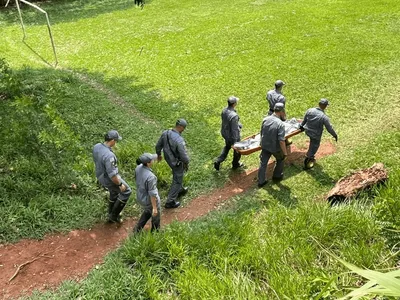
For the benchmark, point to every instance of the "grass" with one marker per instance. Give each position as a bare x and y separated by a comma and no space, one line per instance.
257,249
138,71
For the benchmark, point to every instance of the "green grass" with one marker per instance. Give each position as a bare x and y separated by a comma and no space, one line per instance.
138,71
256,249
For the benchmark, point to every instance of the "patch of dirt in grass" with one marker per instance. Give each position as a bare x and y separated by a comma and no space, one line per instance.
59,257
350,185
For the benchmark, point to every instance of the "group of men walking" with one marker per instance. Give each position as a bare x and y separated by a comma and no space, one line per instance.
273,141
172,145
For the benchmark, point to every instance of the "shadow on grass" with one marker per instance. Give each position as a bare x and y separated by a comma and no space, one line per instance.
320,175
282,193
64,11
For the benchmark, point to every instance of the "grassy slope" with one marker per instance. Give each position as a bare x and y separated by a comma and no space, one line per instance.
194,55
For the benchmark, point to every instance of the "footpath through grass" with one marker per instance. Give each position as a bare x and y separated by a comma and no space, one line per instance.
268,244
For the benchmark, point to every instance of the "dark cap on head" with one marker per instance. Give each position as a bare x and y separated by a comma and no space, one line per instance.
279,83
181,122
113,135
279,107
145,158
324,101
233,99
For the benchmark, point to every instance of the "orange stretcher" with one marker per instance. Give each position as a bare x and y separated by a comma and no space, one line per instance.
258,148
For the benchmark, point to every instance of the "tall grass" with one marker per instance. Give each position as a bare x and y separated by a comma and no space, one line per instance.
253,250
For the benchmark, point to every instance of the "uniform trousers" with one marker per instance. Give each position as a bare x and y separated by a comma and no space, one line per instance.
264,158
177,183
146,215
313,148
115,192
225,151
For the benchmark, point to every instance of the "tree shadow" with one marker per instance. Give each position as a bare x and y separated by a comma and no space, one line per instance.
65,11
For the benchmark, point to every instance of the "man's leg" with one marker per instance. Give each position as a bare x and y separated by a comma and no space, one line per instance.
111,201
262,171
146,215
176,186
121,201
223,155
236,160
278,170
312,150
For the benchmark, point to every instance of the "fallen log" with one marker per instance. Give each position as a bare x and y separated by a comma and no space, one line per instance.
351,185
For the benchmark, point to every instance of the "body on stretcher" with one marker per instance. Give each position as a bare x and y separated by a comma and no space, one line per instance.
251,143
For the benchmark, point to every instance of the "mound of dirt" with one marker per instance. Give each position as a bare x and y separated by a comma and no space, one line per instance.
351,185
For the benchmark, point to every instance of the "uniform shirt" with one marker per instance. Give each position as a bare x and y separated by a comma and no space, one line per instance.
314,121
230,128
146,186
272,132
273,97
177,143
105,162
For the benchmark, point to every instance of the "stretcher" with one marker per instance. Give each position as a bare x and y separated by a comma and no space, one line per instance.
251,143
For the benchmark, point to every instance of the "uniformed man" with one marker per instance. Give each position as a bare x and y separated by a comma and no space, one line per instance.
173,146
230,131
313,123
147,193
275,96
108,176
272,143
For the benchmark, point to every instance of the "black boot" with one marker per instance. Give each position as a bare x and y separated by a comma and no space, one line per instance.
110,208
117,208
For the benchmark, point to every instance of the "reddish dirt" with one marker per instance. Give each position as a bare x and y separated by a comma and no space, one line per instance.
73,255
349,186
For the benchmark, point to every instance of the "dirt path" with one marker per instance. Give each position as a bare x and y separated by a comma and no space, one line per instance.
73,255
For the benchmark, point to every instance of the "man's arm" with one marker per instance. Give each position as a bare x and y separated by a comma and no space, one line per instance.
304,120
112,172
160,146
235,128
281,139
183,156
301,127
329,127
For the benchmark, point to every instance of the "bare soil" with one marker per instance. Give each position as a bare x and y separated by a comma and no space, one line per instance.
351,185
71,256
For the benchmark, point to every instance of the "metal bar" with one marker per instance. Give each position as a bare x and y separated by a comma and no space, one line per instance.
48,25
20,17
51,38
8,1
33,5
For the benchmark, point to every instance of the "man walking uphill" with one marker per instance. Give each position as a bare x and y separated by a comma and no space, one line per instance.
275,96
313,123
230,131
173,145
107,174
147,193
272,143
